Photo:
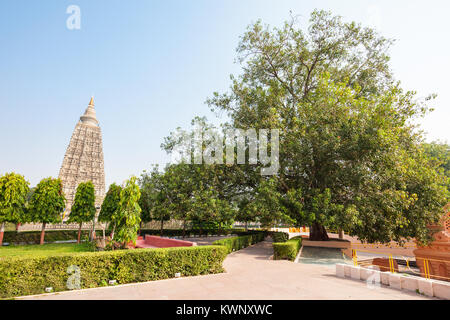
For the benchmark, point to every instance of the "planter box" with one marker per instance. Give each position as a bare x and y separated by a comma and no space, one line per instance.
441,289
355,273
395,281
385,278
340,270
348,270
425,287
373,277
409,283
366,273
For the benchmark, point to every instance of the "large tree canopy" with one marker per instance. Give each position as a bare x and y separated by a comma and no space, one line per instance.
350,156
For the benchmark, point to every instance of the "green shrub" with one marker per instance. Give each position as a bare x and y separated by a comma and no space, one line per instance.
240,242
280,236
26,276
287,250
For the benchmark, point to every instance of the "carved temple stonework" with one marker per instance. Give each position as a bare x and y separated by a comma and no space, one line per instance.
83,160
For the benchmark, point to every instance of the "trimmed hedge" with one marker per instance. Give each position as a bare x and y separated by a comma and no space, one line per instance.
238,243
287,250
27,276
280,236
33,237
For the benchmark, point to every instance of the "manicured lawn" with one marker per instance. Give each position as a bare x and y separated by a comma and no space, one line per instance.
35,250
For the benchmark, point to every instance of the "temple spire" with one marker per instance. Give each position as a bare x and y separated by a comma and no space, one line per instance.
89,117
84,159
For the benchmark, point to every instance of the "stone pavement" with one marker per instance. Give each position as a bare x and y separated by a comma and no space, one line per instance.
250,275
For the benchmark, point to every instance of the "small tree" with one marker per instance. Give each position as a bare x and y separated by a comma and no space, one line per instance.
83,209
47,203
110,205
13,194
128,218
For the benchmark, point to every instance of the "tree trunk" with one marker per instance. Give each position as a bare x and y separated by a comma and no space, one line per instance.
184,228
140,228
318,232
92,237
2,232
162,225
341,234
112,232
42,234
246,225
79,233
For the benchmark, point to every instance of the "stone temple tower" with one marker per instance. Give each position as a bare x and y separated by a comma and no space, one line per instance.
84,159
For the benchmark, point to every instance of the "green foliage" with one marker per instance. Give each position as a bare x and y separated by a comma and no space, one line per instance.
188,193
13,196
26,276
110,204
47,202
240,242
279,236
146,202
287,250
157,198
128,217
268,203
83,209
439,154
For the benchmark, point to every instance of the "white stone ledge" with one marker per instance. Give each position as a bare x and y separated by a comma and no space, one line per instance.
430,288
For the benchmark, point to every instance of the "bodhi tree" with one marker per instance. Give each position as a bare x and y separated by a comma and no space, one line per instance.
47,203
128,218
349,154
83,208
13,195
108,211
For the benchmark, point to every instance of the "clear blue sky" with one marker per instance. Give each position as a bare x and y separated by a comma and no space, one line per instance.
151,65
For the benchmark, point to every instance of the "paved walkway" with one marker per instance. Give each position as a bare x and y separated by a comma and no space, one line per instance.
250,275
